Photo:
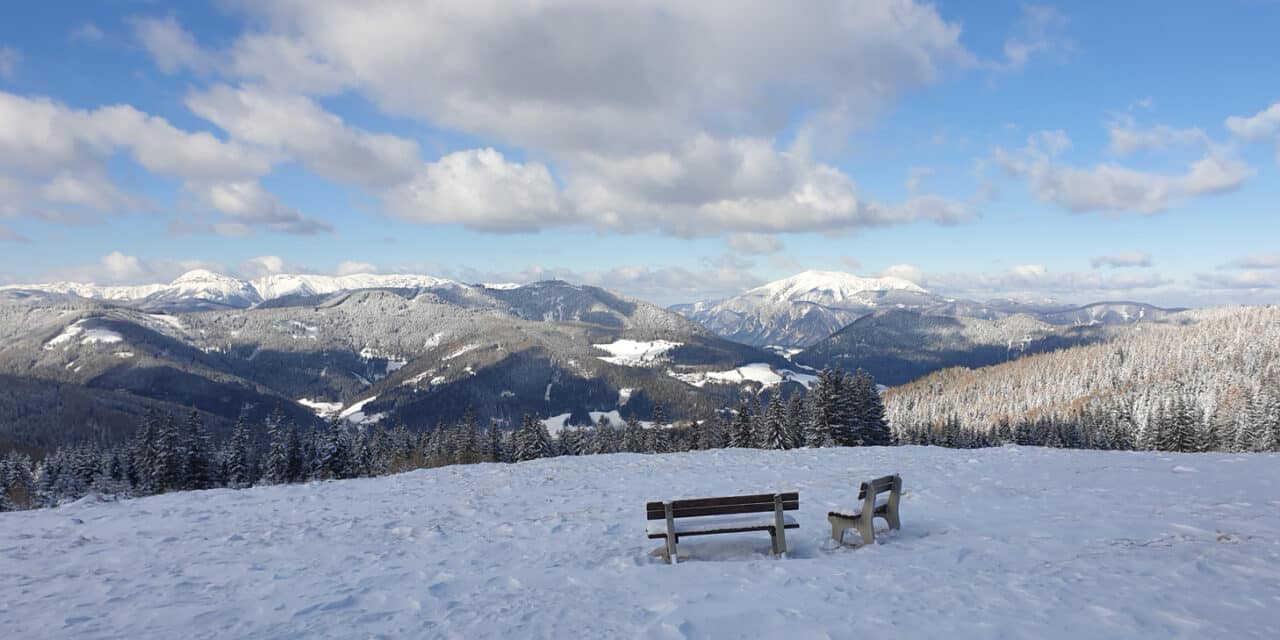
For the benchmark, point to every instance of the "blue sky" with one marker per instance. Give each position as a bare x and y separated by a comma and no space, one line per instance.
672,151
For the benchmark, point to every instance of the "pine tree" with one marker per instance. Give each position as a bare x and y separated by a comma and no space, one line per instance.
873,427
199,463
237,455
168,474
741,435
276,468
775,434
142,454
532,440
795,420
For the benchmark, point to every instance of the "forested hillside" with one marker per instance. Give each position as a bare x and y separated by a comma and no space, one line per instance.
1212,385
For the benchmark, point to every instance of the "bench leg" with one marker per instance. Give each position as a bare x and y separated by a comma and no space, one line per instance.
866,527
671,555
837,530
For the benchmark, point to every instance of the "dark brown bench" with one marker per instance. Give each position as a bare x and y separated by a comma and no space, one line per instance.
863,521
676,519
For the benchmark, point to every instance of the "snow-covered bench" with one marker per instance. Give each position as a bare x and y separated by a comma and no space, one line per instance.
675,519
863,520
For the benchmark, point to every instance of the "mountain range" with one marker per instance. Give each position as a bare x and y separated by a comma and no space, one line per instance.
418,349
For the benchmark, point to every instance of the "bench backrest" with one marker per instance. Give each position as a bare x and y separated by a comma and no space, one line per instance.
878,486
722,506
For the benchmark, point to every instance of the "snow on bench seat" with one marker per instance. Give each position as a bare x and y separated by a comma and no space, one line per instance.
713,524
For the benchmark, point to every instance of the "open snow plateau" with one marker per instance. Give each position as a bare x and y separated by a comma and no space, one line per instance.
1008,542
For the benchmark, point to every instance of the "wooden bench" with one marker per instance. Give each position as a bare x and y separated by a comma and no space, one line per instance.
675,519
863,521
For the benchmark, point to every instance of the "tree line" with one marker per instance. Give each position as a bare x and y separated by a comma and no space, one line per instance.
169,454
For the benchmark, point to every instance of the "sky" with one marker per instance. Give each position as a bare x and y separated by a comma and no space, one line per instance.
668,150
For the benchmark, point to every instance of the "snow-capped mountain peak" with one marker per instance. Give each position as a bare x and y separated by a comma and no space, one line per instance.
201,287
829,287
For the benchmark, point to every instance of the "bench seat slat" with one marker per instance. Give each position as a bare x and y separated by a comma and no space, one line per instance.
719,524
790,496
680,511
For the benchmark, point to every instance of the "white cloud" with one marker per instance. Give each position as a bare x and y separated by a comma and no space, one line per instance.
351,267
1127,259
264,266
1261,261
1246,279
664,286
851,263
10,58
753,243
481,190
53,161
120,268
1263,126
907,272
297,127
639,139
171,47
609,77
1115,188
1128,138
248,206
87,32
1037,32
1038,280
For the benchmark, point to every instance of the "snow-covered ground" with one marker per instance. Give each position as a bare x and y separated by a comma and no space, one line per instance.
1010,542
636,353
760,372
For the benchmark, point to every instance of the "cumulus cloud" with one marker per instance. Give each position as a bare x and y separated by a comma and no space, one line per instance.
298,128
351,267
907,272
1261,261
118,268
1114,188
1244,279
611,77
171,47
482,190
1038,31
753,243
1263,126
247,206
1127,259
54,159
1036,280
10,58
1128,138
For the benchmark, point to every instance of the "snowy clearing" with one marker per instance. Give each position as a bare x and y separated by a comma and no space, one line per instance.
77,331
1009,542
636,353
321,408
556,424
759,372
356,415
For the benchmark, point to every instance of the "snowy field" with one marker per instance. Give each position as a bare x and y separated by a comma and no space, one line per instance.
1011,542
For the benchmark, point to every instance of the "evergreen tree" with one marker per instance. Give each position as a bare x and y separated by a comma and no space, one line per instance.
741,435
774,435
168,473
873,428
239,471
199,462
532,440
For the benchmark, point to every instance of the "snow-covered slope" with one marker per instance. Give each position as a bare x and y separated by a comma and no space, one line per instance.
805,308
279,286
1010,542
202,288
